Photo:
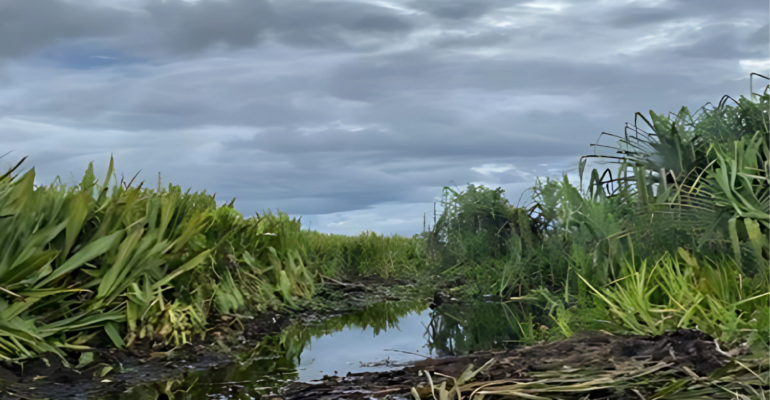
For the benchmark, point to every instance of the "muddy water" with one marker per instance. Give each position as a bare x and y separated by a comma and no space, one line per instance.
382,337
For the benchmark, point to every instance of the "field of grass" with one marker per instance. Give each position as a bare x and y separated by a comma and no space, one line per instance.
365,254
677,237
111,260
115,262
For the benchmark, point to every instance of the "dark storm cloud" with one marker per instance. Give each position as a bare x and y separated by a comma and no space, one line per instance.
29,25
187,27
535,133
717,9
634,16
195,26
474,41
760,37
338,24
342,106
721,42
179,26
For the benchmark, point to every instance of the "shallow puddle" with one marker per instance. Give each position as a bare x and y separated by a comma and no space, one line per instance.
359,349
379,338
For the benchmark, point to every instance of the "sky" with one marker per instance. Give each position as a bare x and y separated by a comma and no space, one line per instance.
354,114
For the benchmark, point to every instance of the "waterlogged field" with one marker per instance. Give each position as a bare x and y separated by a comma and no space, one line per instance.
669,244
383,336
379,338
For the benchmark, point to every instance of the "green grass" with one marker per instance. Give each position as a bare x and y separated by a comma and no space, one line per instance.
367,254
680,292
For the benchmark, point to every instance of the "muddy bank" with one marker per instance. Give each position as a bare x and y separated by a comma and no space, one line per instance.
230,339
599,365
115,371
402,339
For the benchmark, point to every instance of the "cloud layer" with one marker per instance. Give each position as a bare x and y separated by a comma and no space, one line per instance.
354,113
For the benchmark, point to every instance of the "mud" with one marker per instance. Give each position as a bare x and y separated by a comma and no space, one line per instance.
151,361
684,348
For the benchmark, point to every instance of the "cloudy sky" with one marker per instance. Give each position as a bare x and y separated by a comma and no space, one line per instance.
354,113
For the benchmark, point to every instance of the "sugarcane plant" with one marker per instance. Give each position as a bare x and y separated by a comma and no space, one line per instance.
82,263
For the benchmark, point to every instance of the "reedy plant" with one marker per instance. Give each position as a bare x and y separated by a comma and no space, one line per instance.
480,234
129,262
70,253
367,254
703,177
698,182
682,292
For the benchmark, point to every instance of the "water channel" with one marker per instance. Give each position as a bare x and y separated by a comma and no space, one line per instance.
384,336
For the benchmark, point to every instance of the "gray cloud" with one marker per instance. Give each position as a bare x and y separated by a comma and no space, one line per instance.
351,109
341,25
190,27
30,25
459,10
635,16
722,42
760,37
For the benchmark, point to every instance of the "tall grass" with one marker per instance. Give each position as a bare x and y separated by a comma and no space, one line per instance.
365,255
98,260
116,262
678,237
679,291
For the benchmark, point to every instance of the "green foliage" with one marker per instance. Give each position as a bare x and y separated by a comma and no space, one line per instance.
481,235
120,263
694,185
364,255
700,179
715,297
125,263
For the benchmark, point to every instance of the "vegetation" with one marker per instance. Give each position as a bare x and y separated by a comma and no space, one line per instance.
115,260
365,254
661,380
132,263
677,237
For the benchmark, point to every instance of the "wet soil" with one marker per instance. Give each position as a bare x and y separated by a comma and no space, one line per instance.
150,361
683,348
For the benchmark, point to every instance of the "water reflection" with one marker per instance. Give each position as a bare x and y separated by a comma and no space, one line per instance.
382,337
457,329
307,351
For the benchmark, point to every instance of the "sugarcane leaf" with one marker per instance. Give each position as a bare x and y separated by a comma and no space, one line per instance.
194,262
86,254
112,331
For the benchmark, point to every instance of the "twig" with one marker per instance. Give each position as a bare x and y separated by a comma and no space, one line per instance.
9,292
338,282
406,352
